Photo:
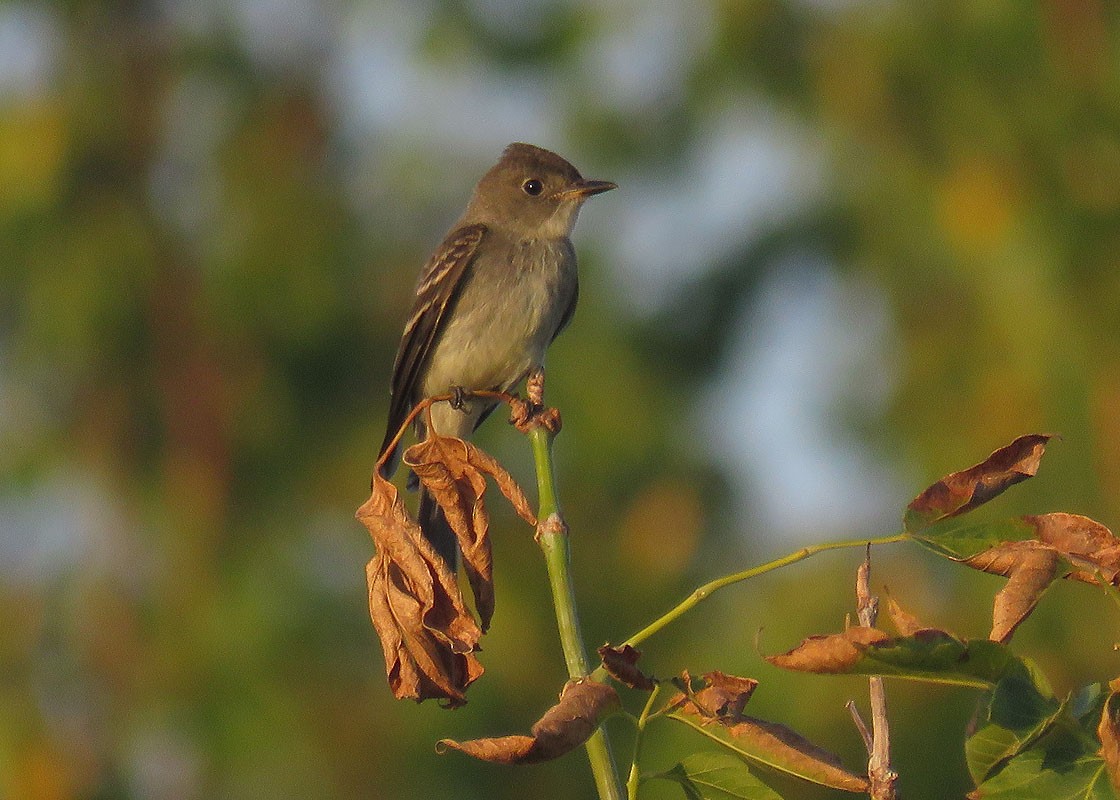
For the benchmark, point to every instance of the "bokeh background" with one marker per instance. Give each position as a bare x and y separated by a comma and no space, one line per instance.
857,244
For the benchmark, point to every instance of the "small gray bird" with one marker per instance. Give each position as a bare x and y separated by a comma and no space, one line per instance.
489,302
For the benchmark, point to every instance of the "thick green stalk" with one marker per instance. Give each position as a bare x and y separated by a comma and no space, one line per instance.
552,535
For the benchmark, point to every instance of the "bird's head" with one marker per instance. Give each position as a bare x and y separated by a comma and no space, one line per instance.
532,193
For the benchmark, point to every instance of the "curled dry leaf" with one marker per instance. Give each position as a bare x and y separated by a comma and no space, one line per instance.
1083,542
963,491
1030,567
722,700
836,653
905,622
565,726
460,457
721,696
1109,733
453,471
621,664
427,634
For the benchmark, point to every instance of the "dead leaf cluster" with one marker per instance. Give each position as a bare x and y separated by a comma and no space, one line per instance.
1063,545
428,634
1030,551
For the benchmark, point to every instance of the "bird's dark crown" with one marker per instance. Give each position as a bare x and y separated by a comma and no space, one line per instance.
528,157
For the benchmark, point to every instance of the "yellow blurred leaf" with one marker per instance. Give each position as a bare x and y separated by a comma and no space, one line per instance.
32,147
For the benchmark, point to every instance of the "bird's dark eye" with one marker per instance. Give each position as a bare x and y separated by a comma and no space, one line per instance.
532,187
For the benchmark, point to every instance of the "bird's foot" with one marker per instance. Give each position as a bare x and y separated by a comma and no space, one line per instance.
458,399
526,415
549,418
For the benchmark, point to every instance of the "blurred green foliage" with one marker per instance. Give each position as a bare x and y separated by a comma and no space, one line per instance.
206,263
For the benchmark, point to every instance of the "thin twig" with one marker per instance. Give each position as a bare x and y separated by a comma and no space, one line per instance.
861,726
702,593
635,776
883,779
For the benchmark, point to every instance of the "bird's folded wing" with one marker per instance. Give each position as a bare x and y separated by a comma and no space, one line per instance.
439,284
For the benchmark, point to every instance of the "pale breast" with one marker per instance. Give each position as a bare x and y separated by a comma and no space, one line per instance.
507,314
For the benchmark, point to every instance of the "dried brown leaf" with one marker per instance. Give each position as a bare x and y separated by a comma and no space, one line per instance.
427,634
1030,567
565,726
1109,732
1083,542
905,622
453,471
835,653
723,696
443,465
684,682
458,452
963,491
621,664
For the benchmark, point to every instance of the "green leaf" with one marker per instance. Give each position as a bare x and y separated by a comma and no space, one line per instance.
938,657
930,655
777,747
965,541
1064,762
1017,715
717,776
1040,774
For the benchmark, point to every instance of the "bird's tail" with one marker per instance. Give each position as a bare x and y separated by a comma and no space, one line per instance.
390,465
437,531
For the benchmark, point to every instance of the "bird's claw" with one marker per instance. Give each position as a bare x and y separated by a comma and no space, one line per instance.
531,412
549,418
458,399
526,415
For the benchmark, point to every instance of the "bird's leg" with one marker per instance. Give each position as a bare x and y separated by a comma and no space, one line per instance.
534,386
525,414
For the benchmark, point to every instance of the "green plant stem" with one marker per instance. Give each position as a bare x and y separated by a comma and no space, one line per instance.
552,536
708,589
635,776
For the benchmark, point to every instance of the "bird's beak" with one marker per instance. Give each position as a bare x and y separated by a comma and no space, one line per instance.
582,189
